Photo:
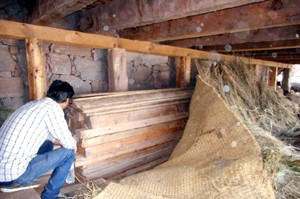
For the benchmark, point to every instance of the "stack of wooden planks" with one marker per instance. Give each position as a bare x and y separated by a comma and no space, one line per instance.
122,133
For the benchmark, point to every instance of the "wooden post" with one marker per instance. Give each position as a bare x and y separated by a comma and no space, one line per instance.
117,70
36,69
285,81
273,72
183,72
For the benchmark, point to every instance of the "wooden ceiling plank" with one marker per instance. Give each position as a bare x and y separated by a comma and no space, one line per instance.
15,30
245,18
51,10
120,14
262,35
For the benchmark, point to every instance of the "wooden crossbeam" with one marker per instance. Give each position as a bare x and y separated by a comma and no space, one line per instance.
15,30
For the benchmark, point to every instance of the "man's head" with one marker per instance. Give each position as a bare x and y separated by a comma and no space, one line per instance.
61,92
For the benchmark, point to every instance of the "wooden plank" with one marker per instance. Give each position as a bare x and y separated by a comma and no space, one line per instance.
119,159
117,70
89,96
246,18
113,146
138,169
81,133
135,106
183,72
36,69
81,161
125,162
123,118
180,124
110,101
16,30
127,166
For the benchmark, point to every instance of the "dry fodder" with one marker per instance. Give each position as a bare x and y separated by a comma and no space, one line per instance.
89,189
270,117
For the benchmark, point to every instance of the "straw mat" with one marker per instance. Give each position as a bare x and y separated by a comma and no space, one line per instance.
217,157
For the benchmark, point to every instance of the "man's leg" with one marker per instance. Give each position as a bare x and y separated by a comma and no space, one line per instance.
46,147
60,160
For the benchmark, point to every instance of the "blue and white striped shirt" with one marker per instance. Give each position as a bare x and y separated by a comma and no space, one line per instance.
25,130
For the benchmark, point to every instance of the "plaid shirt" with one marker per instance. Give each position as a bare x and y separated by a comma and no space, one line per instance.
25,130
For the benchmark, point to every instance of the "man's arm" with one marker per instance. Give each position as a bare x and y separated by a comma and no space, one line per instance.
56,142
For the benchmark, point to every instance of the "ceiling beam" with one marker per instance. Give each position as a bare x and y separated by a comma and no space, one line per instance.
120,14
51,10
262,35
255,46
246,18
291,56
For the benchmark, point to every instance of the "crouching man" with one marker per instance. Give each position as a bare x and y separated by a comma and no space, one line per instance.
26,143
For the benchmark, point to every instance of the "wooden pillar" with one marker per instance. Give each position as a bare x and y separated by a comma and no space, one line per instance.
273,72
36,69
285,81
117,70
183,72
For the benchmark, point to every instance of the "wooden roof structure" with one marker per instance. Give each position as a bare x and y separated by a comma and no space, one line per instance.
262,29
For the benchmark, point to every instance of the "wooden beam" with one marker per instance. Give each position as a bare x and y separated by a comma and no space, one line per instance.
259,46
245,18
36,69
117,70
115,15
262,35
15,30
183,71
50,10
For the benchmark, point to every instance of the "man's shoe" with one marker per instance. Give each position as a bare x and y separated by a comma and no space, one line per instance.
17,187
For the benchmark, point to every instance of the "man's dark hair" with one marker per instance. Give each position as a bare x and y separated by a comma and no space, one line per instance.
60,91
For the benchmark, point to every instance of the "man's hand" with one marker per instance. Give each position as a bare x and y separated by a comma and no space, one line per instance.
56,142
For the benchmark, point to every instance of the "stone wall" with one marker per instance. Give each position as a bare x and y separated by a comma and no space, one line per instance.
13,76
86,69
149,72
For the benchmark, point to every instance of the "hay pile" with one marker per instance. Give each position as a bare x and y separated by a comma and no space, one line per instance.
271,118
